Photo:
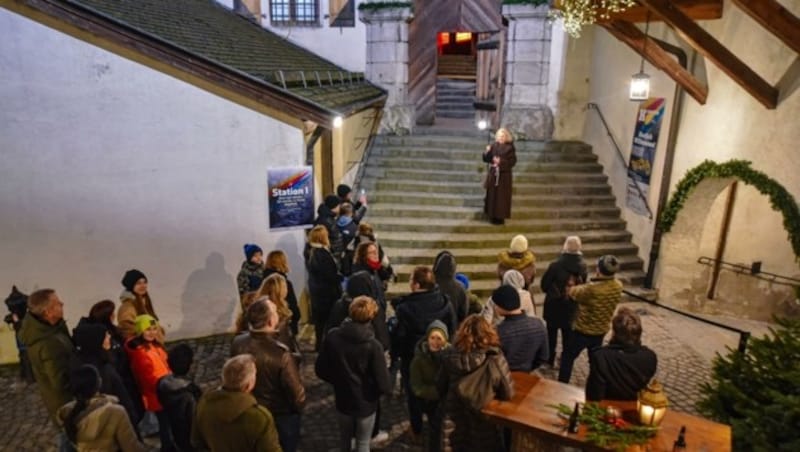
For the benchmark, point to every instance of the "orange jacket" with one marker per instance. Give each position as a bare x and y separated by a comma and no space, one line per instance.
148,361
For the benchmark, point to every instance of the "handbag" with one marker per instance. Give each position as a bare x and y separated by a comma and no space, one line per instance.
476,388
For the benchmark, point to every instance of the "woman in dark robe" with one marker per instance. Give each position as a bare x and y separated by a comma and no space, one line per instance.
501,157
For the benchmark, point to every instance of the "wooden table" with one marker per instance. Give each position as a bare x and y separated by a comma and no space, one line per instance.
537,427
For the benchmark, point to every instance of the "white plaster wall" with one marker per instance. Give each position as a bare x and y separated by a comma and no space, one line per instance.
732,124
612,64
568,87
110,165
345,46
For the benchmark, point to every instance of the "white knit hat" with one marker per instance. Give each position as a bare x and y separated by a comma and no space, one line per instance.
519,244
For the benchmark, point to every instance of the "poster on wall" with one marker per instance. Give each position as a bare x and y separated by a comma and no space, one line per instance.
643,152
291,197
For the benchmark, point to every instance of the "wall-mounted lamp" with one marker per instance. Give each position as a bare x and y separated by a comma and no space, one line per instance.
640,82
482,124
337,122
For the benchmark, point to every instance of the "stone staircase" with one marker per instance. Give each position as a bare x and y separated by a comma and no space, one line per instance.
426,195
454,98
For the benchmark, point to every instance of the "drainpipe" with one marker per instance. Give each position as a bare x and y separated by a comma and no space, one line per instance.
666,175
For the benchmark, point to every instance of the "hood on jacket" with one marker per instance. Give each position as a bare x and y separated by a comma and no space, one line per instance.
514,279
228,405
573,263
444,266
88,338
463,363
357,333
517,261
34,330
91,421
343,221
126,295
360,283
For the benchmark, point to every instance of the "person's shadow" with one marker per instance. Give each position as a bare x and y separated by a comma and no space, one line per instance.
208,300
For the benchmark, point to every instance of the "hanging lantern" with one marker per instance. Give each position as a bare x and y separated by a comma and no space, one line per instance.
640,86
652,404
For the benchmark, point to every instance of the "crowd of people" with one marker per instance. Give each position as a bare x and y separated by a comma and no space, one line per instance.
112,381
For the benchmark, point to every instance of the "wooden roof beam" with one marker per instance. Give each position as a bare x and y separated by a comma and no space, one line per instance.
717,53
631,35
775,18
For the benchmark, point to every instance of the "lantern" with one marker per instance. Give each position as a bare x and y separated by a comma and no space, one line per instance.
652,404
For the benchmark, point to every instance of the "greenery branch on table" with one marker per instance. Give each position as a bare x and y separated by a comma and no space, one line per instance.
608,433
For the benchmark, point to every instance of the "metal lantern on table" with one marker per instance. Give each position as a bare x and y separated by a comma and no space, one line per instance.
652,404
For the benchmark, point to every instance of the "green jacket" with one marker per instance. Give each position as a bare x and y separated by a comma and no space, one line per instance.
232,421
424,371
49,350
597,301
103,426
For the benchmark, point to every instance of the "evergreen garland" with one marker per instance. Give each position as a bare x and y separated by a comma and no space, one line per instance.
779,198
758,392
603,433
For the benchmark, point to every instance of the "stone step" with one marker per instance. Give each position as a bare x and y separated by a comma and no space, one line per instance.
455,114
466,139
467,166
475,199
483,286
454,104
463,155
454,96
566,226
626,252
477,176
471,187
518,212
453,83
552,241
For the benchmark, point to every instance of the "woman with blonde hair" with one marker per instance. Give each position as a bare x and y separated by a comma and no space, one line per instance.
275,288
324,280
277,263
501,157
476,349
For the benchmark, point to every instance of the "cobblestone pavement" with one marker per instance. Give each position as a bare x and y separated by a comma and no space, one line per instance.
684,347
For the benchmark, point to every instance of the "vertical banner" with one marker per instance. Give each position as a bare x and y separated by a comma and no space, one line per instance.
643,152
291,197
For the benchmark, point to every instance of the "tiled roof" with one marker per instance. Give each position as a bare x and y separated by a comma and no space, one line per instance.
215,33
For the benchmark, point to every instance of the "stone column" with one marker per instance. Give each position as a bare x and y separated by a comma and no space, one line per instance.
525,109
387,65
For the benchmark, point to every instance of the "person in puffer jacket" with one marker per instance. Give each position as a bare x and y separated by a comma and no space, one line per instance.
517,257
425,368
94,421
252,272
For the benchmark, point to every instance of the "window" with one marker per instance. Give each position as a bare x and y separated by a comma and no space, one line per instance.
294,12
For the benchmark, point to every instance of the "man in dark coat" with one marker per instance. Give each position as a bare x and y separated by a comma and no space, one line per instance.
50,348
354,363
559,310
326,216
501,157
360,283
414,313
523,339
444,268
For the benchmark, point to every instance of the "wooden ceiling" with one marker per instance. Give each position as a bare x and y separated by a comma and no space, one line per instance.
681,16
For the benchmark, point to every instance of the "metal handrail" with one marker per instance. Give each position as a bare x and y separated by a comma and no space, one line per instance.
745,270
595,107
744,336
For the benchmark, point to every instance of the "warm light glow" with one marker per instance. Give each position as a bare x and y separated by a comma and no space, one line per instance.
652,404
444,38
463,36
482,124
337,122
640,86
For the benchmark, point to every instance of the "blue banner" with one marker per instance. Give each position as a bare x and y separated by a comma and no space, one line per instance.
291,197
643,152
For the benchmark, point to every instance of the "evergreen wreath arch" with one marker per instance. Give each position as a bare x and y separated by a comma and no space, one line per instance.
779,198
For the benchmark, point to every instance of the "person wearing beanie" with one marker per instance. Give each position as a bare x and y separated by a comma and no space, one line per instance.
474,305
252,272
95,421
179,395
523,339
425,369
93,347
514,279
501,158
345,194
596,302
568,270
135,301
517,257
327,212
148,361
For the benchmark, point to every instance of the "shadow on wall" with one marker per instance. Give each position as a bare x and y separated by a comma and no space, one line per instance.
208,300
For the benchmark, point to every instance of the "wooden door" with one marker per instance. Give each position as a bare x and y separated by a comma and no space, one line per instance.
490,77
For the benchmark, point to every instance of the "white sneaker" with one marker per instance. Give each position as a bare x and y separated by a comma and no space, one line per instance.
379,439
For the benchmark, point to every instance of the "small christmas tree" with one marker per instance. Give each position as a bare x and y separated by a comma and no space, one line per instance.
758,392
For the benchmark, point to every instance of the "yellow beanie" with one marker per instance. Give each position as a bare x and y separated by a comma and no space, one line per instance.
144,322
